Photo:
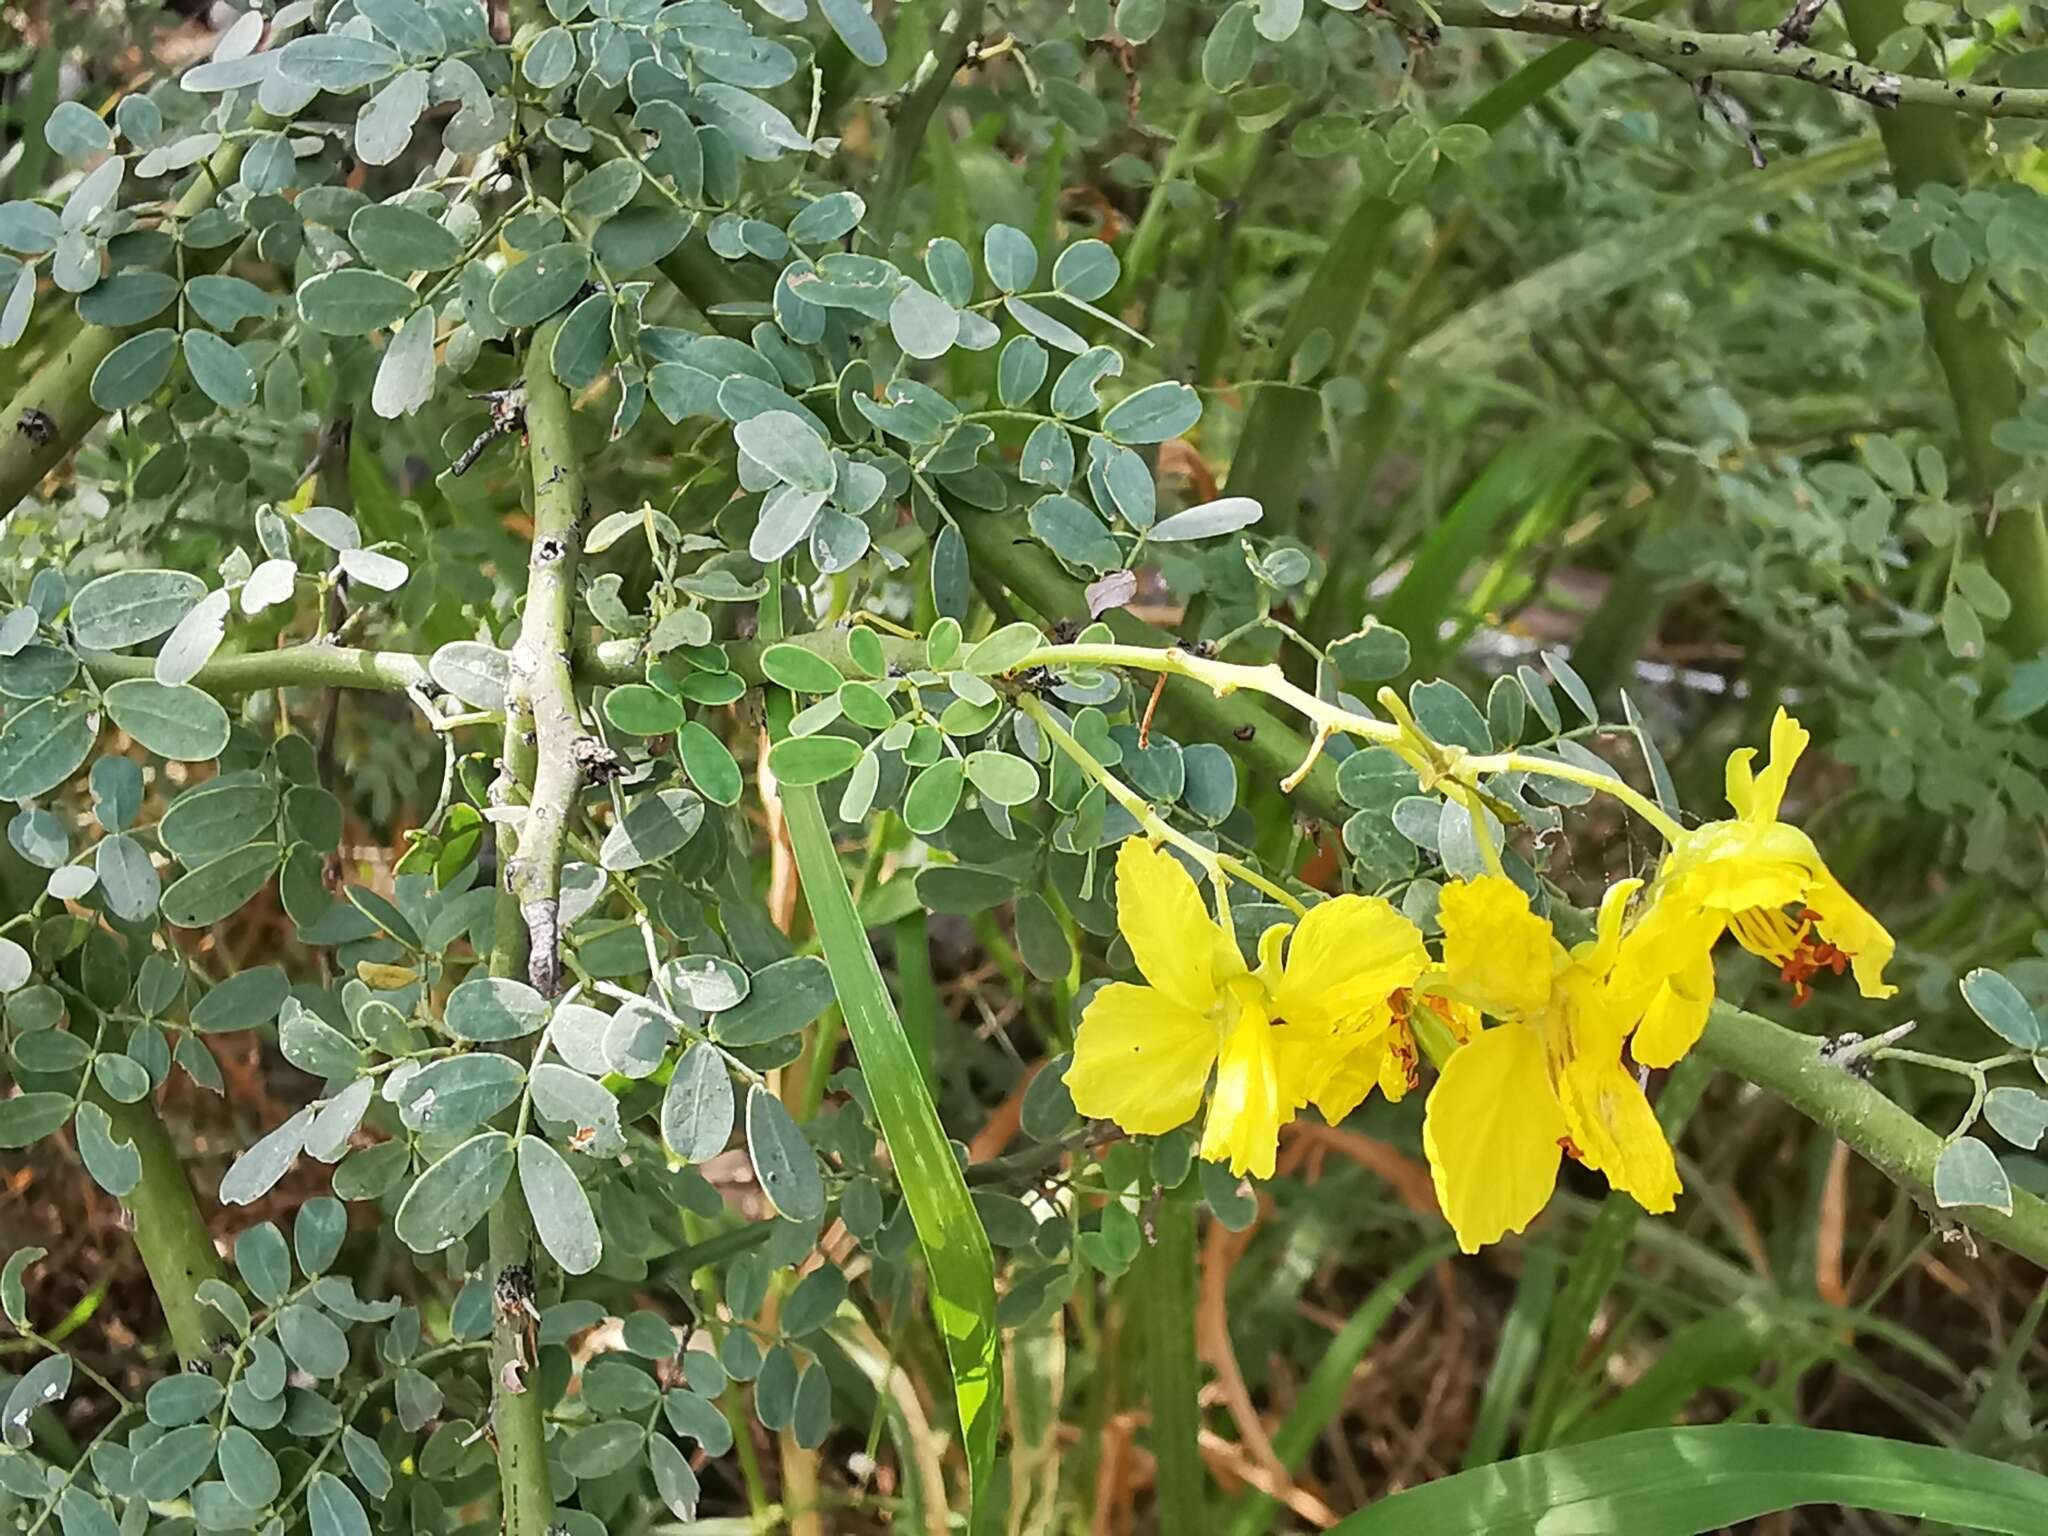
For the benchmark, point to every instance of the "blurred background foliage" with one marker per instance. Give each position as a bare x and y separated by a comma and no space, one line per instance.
1522,352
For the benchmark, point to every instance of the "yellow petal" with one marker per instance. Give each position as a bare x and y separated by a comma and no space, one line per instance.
1491,1133
1733,866
1616,1131
1346,958
1741,780
1598,954
1249,1105
1498,955
1164,921
1676,1011
1844,923
1335,1070
1788,741
1140,1059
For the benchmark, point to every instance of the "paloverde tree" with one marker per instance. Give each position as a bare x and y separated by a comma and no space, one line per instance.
750,479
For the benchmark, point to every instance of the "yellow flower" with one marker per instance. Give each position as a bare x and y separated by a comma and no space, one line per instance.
1547,1079
1317,1028
1740,876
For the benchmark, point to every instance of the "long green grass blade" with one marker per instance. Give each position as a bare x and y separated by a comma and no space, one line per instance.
959,1263
1162,1291
1681,1482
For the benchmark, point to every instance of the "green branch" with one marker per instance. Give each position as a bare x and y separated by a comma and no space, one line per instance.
541,728
1266,746
61,389
914,118
1790,1065
1926,147
170,1233
1696,55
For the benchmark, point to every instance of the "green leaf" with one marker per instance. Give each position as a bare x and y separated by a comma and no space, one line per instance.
354,301
784,998
562,1217
1020,370
933,796
129,607
527,292
129,879
639,710
709,764
265,1264
492,1008
1003,650
266,1160
1003,778
800,669
924,325
405,374
784,1164
1154,414
311,1339
1232,45
1999,1004
77,132
447,1098
654,827
43,745
1086,270
134,370
332,1510
128,298
697,1108
789,448
1969,1173
213,891
246,1000
454,1194
856,29
217,817
116,1166
604,191
474,673
398,239
551,59
1225,515
1682,1482
2018,1114
1010,256
831,217
220,370
799,761
182,724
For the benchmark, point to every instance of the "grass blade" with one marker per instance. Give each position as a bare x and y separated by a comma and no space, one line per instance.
1161,1291
958,1260
1680,1482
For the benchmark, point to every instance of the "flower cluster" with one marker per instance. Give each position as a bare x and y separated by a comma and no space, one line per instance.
1542,1043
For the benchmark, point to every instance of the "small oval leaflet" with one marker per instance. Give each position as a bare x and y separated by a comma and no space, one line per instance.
182,724
454,1194
697,1108
783,1160
129,607
782,999
562,1217
43,745
493,1008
